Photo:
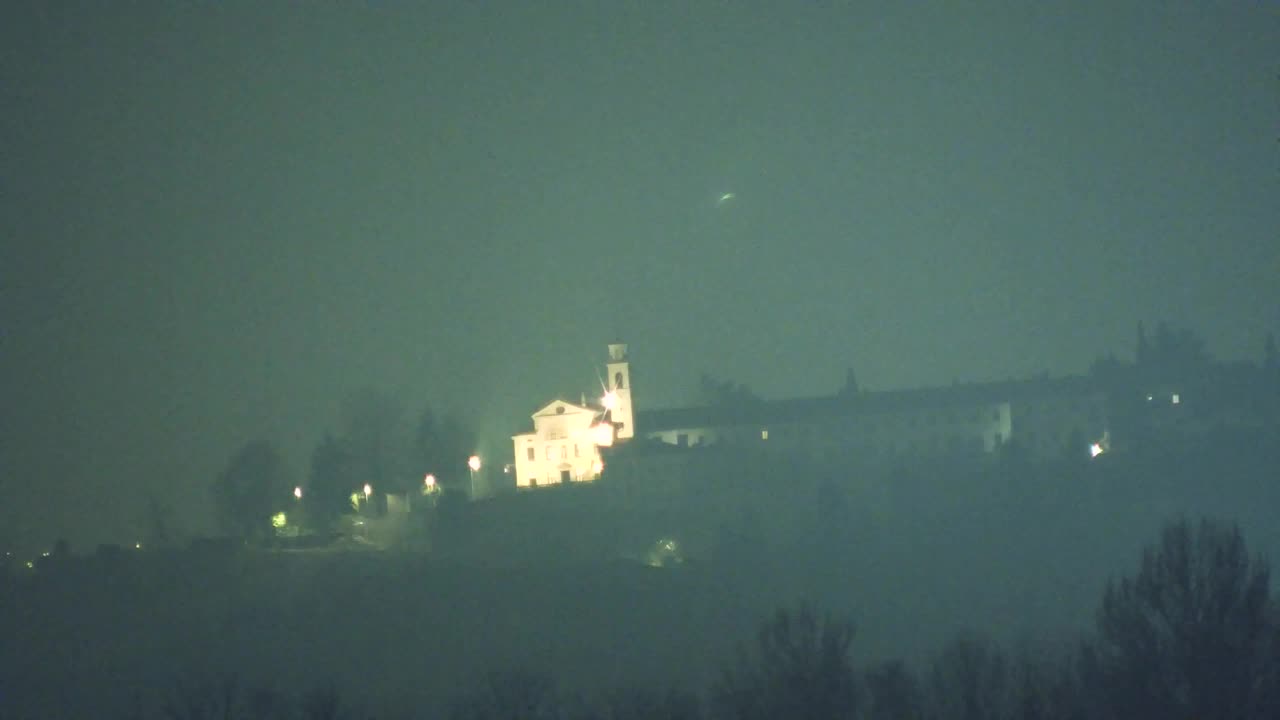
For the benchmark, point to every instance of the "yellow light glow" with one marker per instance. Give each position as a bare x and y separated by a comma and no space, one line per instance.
597,467
610,401
1095,450
429,481
473,462
355,501
368,490
279,520
297,492
137,546
1176,398
602,435
764,434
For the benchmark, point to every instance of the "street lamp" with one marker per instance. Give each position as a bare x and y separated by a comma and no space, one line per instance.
473,463
297,492
429,482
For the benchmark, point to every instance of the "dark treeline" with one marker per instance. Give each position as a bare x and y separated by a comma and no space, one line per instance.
1192,633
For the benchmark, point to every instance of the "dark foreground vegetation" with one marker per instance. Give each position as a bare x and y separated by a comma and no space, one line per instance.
1192,633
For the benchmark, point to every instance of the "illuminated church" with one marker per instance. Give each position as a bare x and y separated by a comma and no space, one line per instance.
1044,416
566,440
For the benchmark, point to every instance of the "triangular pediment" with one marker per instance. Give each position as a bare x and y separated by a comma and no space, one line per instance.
561,407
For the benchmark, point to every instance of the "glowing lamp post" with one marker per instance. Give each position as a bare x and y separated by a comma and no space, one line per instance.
473,464
297,492
429,482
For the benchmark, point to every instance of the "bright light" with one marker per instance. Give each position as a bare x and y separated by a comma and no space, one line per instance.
429,481
297,492
1095,450
764,434
597,467
368,490
473,462
602,435
610,401
279,520
1176,398
137,546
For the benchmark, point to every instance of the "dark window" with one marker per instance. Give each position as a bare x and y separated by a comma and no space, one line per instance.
682,439
618,384
559,409
533,455
533,482
564,476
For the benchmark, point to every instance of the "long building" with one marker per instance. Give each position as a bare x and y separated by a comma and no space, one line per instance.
1044,416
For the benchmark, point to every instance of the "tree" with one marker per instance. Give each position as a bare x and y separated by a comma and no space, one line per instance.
252,487
510,694
376,438
894,693
726,393
441,446
802,670
1191,635
850,383
157,531
330,483
970,681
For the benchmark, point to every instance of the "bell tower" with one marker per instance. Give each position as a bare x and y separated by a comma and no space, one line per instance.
618,387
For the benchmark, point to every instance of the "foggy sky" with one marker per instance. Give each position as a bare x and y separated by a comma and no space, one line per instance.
217,219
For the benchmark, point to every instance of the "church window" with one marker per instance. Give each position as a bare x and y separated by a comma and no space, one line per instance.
575,450
559,409
618,383
564,452
532,454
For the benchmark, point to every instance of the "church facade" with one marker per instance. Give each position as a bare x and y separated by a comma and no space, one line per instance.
1044,416
565,444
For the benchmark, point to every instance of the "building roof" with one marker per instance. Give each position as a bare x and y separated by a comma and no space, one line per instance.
809,409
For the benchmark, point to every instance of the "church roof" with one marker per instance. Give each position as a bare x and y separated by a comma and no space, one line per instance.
810,409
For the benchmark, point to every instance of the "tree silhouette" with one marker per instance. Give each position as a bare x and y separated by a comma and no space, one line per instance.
252,487
441,446
330,483
376,438
802,670
1191,635
971,681
894,693
726,393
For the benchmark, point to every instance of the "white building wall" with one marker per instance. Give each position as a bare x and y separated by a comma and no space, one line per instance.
563,446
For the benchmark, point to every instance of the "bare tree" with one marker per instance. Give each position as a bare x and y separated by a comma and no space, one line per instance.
802,670
971,681
1192,634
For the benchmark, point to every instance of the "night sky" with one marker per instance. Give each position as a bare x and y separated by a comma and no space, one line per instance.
219,218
